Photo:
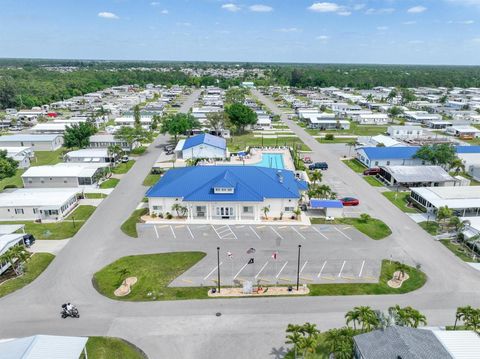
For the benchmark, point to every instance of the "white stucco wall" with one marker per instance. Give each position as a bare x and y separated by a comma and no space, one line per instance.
203,151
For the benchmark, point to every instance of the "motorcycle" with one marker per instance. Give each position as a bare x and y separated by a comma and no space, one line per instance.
72,312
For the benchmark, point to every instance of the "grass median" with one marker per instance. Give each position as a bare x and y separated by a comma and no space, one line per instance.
108,347
373,181
37,263
372,227
355,165
123,167
400,199
129,227
151,179
156,271
110,183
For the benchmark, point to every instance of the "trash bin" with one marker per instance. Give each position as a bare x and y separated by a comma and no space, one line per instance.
214,290
290,288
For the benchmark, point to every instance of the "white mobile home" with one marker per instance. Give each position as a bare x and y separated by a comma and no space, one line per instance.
372,119
20,154
29,204
36,142
105,141
405,132
64,175
90,155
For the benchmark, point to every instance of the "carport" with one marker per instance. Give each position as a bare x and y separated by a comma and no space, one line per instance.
327,207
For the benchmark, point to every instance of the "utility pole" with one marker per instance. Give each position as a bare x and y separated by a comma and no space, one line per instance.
298,266
218,268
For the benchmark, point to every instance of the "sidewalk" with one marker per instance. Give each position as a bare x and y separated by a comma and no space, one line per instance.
48,246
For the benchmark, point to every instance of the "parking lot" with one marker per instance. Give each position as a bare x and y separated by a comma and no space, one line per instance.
269,253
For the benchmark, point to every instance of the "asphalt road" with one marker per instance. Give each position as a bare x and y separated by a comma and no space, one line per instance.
246,328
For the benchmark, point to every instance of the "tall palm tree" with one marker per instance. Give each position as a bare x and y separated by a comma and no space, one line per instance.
350,145
265,211
443,214
367,318
461,314
308,345
316,176
294,336
457,165
353,316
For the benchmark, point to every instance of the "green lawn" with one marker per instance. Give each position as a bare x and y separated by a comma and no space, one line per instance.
373,228
151,179
400,199
459,250
108,347
431,227
110,183
37,263
123,167
335,140
373,181
43,158
12,182
58,230
154,273
355,165
94,195
138,151
417,280
129,227
240,142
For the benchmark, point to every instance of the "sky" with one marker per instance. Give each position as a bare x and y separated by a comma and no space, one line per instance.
347,31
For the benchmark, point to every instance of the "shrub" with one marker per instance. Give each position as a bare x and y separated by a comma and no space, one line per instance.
329,137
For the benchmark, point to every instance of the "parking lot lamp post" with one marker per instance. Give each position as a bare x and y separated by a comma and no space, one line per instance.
218,268
298,266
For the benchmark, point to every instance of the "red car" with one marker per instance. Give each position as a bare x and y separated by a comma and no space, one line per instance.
372,171
350,201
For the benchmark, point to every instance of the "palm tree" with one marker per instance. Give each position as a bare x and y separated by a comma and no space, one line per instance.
461,314
297,212
457,165
444,213
416,318
16,256
366,317
401,268
265,211
294,337
177,207
316,176
113,152
472,320
350,145
354,317
308,345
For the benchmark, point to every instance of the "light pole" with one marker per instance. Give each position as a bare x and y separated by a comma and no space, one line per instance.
298,266
218,268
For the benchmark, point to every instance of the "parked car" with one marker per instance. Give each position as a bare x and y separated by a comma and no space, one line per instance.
307,160
318,166
124,159
372,171
350,201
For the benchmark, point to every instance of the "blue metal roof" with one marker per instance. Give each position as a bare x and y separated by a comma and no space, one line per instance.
250,183
326,203
207,139
382,153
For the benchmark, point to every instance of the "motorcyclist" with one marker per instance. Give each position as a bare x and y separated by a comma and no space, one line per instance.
69,308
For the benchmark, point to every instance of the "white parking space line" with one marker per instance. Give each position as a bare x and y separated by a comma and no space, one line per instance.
190,231
255,232
341,269
234,235
343,234
321,270
361,269
278,234
281,269
301,235
320,233
173,232
236,275
156,232
303,267
213,270
216,231
261,270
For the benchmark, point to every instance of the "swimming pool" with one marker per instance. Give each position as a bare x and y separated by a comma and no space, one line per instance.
271,160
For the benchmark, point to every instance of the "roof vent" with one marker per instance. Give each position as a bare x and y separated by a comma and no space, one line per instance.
280,176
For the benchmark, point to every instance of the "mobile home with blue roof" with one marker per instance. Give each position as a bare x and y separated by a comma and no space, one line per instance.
227,192
202,146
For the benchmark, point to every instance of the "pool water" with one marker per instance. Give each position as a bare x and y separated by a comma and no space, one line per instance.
271,160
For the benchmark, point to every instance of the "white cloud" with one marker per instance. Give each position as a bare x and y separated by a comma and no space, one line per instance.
359,7
409,22
164,12
323,37
186,24
261,8
416,42
387,10
462,22
476,40
382,28
108,15
325,7
290,29
155,3
417,9
231,7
